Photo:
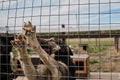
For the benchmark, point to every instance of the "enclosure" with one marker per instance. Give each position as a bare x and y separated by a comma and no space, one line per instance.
90,29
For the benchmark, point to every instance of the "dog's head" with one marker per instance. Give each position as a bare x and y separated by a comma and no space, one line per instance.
52,42
49,45
18,42
28,29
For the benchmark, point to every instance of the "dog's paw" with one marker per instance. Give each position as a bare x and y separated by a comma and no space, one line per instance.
28,29
18,42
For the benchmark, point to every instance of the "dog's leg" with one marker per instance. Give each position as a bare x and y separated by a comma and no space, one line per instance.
30,32
28,67
44,72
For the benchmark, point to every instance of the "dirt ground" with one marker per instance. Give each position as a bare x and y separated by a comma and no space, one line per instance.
93,76
107,61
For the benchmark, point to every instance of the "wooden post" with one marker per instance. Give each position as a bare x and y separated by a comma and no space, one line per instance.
6,31
118,44
63,33
116,39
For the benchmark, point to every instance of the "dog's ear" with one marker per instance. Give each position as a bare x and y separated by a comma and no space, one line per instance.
16,35
29,22
23,30
52,39
24,24
20,36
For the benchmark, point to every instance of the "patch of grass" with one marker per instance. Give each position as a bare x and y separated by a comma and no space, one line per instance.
95,45
93,61
97,49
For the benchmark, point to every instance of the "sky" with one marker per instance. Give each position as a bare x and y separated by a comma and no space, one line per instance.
49,15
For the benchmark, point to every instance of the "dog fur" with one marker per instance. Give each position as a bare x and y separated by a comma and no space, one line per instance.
49,70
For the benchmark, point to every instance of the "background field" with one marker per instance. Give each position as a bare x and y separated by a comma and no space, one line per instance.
103,55
94,44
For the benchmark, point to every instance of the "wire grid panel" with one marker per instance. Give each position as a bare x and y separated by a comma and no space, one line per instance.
88,27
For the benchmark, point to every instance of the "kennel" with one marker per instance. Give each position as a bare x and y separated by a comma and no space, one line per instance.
81,61
82,65
92,22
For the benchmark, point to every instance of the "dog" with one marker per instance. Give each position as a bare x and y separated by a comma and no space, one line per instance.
49,70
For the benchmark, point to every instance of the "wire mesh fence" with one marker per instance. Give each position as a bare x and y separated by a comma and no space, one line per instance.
87,31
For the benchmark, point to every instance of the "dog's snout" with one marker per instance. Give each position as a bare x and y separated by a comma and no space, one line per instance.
28,33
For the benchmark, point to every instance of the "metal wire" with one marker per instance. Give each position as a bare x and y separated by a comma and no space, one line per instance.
85,16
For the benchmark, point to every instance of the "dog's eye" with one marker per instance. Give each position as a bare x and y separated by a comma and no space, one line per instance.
24,29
